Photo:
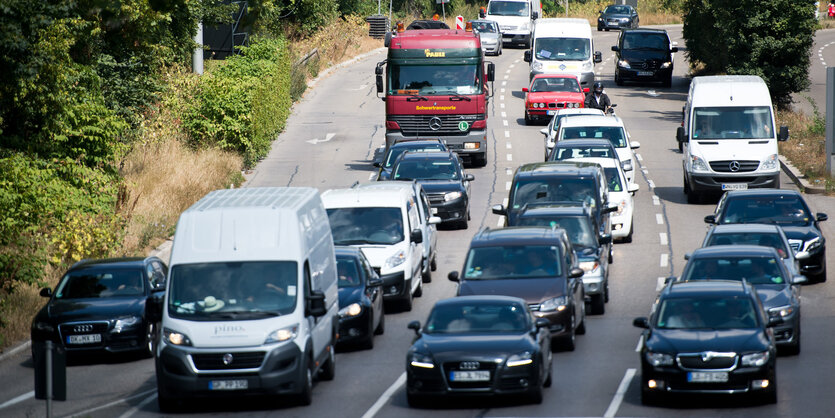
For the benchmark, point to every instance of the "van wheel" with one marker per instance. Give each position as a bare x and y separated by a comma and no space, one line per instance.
150,345
419,290
406,304
618,80
433,265
426,275
598,304
166,404
627,239
381,327
305,396
328,370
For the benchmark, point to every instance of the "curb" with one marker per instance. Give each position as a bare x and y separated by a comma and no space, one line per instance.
12,351
799,179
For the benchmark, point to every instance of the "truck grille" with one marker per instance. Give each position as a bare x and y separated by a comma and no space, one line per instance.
215,361
734,166
447,125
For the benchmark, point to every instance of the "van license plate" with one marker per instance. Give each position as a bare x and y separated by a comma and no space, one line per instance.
84,339
707,377
470,376
735,186
645,73
239,384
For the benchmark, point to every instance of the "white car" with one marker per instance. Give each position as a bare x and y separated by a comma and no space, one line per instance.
554,125
620,194
609,127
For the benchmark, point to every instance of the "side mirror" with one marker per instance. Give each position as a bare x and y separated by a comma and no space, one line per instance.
524,89
609,209
414,325
416,236
544,131
491,71
575,273
534,15
598,57
527,56
499,210
784,134
641,322
46,292
799,280
634,145
605,239
387,40
377,164
316,304
452,276
434,220
674,49
773,321
680,136
820,217
710,219
542,323
469,177
374,282
615,48
379,83
586,89
668,280
633,188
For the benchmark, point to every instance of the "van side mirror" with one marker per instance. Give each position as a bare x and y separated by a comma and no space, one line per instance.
416,236
534,15
710,219
452,276
820,217
680,136
499,210
783,135
598,57
469,177
641,322
316,304
605,239
527,56
615,48
575,273
379,83
414,325
491,71
46,292
374,282
633,188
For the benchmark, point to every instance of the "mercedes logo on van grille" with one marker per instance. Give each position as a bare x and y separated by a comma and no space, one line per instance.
435,123
227,359
468,365
83,328
734,166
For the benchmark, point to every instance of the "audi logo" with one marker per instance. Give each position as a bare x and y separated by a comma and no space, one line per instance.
82,328
468,365
435,123
734,166
227,359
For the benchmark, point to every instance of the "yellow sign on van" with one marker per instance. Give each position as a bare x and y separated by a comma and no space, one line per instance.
430,54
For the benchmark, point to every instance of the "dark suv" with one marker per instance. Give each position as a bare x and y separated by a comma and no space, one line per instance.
710,337
644,55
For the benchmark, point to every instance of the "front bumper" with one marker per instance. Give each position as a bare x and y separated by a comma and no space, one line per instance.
618,24
560,321
621,224
594,283
134,339
490,49
394,285
516,38
503,380
714,182
661,74
815,263
356,328
672,379
452,211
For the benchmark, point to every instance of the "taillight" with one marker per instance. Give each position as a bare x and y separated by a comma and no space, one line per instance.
479,124
390,124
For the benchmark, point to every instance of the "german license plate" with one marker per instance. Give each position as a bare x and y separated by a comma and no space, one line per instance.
707,377
84,339
735,186
645,73
470,376
550,112
238,384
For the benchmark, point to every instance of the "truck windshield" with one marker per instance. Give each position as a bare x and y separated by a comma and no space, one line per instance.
562,49
434,79
732,122
370,225
509,8
232,290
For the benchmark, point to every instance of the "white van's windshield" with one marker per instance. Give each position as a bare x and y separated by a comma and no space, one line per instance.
732,122
358,226
509,8
562,49
232,290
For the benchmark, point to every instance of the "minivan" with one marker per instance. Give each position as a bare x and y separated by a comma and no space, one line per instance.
563,46
644,55
516,19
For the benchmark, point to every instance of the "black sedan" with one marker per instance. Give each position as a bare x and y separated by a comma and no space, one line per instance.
360,298
617,17
479,345
708,337
387,157
104,305
787,209
442,177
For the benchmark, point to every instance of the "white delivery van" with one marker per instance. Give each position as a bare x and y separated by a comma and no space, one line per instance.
563,46
728,138
515,18
383,221
252,300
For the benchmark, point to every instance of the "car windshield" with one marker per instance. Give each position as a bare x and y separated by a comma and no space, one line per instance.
782,210
616,10
579,229
478,318
613,179
372,225
562,49
648,41
565,189
512,262
765,239
566,151
754,270
555,84
707,313
433,79
509,8
232,290
395,151
732,123
614,134
485,27
425,169
347,269
95,283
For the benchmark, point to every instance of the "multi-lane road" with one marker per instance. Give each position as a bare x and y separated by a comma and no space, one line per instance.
329,141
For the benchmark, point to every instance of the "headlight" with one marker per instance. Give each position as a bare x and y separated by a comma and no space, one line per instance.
621,206
423,361
812,244
698,164
667,64
448,197
396,260
770,163
624,19
536,66
627,165
588,66
283,334
123,324
781,311
353,309
44,326
755,359
589,266
555,304
175,338
623,64
659,359
520,359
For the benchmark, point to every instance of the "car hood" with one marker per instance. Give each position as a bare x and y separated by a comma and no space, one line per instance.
531,290
95,308
773,295
378,254
694,341
441,186
613,15
645,55
804,233
452,346
555,96
349,295
489,35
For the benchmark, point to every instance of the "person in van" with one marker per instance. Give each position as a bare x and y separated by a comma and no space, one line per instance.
597,99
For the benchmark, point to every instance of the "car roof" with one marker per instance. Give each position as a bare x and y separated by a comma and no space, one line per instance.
433,155
121,262
737,228
601,161
583,142
702,288
579,111
462,300
762,192
732,251
557,168
539,76
376,194
515,235
555,209
645,30
416,143
591,120
347,251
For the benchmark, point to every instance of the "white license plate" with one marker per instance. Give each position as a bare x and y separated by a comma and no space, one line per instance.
735,186
645,73
470,376
84,339
550,112
707,377
239,384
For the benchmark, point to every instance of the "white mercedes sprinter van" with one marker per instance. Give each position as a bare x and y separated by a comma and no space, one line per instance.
563,46
252,300
515,18
728,138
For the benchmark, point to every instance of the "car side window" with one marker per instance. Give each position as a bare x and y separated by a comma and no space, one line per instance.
411,210
424,203
158,275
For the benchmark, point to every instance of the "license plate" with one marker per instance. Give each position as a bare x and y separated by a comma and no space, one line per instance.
239,384
645,73
84,339
470,376
707,377
550,112
735,186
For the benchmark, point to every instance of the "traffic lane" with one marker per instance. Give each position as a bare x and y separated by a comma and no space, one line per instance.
822,55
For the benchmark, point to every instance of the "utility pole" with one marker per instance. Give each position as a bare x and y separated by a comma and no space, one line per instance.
830,121
197,56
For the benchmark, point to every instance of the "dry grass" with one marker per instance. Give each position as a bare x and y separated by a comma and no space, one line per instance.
806,147
21,306
337,41
650,12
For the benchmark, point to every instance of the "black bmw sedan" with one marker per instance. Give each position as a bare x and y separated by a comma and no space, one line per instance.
479,345
360,298
104,305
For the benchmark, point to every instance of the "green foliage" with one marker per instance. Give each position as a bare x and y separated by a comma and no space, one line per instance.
770,39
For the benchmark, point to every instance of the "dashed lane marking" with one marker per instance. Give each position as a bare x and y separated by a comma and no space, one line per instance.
638,156
659,219
651,184
655,200
503,90
508,171
504,114
502,105
501,97
640,341
507,185
504,202
509,146
660,284
507,134
18,399
662,236
504,122
510,157
665,260
504,83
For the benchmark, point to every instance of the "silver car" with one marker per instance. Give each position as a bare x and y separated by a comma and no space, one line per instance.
491,37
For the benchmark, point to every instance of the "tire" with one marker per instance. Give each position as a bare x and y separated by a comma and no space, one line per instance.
628,239
694,198
535,395
598,304
794,349
528,121
647,397
433,265
426,276
419,290
328,370
581,329
151,342
305,396
463,224
415,401
668,82
167,404
569,342
770,396
407,303
381,327
480,161
599,29
618,79
820,278
550,379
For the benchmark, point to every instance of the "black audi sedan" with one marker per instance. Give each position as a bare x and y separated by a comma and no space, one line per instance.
478,345
104,305
618,17
360,298
443,180
787,209
708,337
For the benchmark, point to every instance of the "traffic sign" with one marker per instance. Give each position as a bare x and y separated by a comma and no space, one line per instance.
459,22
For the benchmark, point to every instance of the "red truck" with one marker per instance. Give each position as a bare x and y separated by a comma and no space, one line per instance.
436,87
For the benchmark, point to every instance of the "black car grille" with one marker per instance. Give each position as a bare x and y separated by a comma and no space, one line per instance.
648,65
697,361
534,306
435,198
83,328
741,166
214,361
483,365
413,125
558,105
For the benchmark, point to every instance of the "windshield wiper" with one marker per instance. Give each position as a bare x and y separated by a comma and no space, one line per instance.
415,98
243,313
457,98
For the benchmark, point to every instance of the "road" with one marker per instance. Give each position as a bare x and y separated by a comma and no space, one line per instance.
822,55
329,141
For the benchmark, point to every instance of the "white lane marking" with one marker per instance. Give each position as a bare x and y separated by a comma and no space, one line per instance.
665,259
502,105
504,83
506,76
638,156
129,413
501,97
504,114
616,401
659,219
516,62
13,351
507,134
659,284
18,399
507,185
640,340
652,93
508,171
500,222
510,157
114,403
371,176
384,398
508,71
662,236
504,202
504,122
315,141
509,146
651,184
645,171
655,200
503,89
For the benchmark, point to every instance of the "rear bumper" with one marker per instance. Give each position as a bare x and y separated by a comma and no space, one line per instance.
516,38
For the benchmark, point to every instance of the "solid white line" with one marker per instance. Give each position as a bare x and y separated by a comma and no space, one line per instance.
18,399
510,157
651,184
507,185
371,176
507,134
638,156
659,219
655,200
662,236
129,413
665,259
640,340
114,403
384,398
624,385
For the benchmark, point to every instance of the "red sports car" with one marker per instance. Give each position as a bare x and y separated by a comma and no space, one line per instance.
550,92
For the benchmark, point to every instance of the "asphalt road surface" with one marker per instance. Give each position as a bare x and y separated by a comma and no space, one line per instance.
329,142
